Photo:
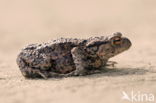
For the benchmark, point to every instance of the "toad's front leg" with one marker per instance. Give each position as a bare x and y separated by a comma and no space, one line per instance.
111,63
80,60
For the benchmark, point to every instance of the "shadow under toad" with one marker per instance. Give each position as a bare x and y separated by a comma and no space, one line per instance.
113,72
120,72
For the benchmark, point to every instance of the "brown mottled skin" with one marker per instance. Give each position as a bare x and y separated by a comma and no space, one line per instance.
70,57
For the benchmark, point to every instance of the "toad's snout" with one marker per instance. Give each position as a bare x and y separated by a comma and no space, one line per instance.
126,43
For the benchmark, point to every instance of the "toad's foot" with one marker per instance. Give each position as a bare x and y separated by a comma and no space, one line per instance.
111,63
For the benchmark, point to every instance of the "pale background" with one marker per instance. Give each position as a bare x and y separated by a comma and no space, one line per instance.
31,21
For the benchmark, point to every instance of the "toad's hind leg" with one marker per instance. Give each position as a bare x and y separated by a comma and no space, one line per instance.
35,72
28,71
80,60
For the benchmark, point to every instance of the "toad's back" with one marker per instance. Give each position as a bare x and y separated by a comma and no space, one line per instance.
52,56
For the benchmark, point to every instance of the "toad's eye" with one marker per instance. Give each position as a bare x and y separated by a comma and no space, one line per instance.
116,41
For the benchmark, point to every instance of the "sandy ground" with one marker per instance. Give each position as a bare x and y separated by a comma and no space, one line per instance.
31,21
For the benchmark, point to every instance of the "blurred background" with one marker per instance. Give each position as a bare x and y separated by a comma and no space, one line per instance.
29,21
35,21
